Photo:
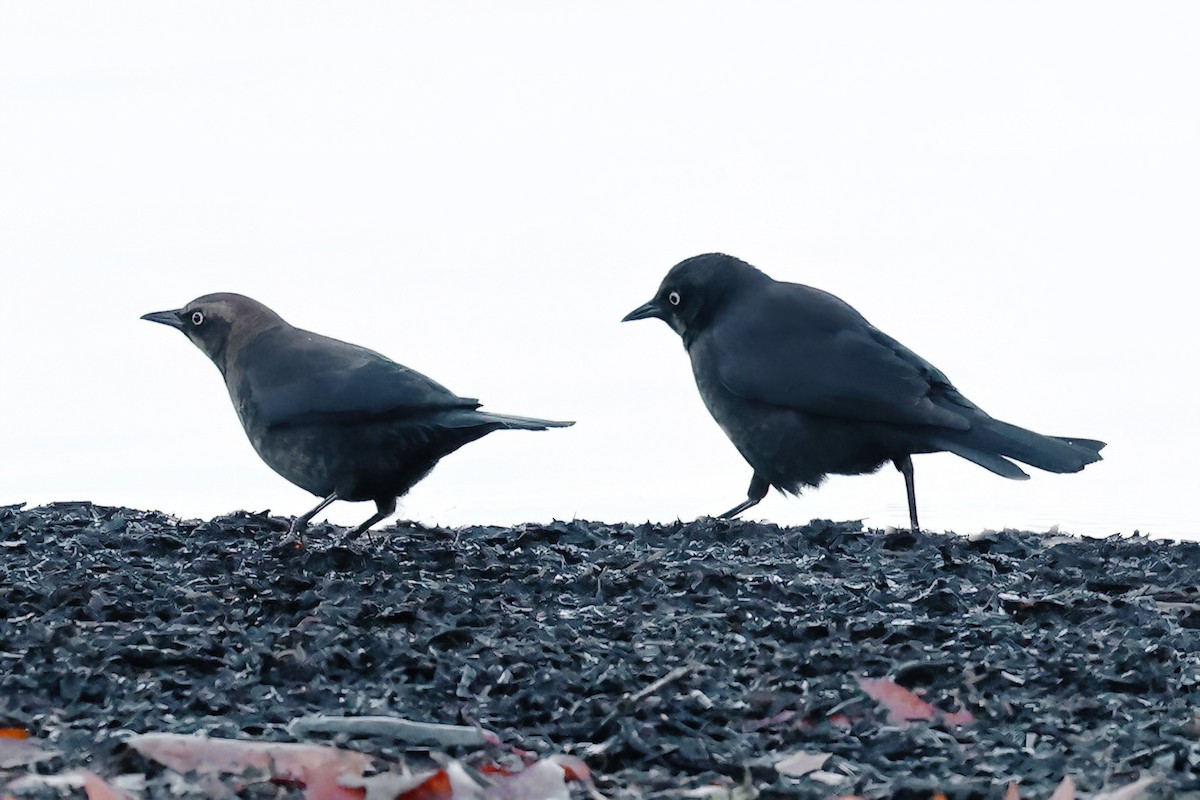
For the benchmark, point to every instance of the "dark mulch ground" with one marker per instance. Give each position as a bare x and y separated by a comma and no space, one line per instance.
1077,656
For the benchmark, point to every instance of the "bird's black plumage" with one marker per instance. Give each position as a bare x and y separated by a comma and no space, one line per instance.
804,386
336,419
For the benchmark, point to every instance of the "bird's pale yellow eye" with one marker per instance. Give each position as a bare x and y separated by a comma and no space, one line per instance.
673,297
197,317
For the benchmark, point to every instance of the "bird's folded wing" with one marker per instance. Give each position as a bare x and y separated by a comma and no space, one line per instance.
293,377
812,352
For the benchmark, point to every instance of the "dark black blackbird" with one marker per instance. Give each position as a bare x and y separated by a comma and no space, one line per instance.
336,419
805,387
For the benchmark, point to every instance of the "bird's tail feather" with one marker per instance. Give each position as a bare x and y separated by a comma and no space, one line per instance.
991,461
524,423
472,419
990,440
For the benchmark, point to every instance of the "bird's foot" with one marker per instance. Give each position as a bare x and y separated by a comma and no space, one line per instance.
349,538
295,533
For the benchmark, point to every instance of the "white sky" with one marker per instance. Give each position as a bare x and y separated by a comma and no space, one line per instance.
482,190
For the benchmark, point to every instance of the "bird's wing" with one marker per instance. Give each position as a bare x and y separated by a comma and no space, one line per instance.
799,347
288,377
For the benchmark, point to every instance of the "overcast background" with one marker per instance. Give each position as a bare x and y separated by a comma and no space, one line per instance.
482,190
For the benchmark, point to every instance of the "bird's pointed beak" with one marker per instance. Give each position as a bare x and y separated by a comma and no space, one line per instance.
172,318
644,311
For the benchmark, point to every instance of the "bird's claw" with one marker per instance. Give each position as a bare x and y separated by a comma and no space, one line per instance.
295,534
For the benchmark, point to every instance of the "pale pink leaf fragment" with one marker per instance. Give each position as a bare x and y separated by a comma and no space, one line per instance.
544,780
1130,791
16,752
318,768
99,789
1011,792
1065,790
960,717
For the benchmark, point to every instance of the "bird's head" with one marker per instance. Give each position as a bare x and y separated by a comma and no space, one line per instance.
214,322
695,290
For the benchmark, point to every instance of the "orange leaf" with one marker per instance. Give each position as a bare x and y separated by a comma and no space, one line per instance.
435,787
14,733
904,706
901,704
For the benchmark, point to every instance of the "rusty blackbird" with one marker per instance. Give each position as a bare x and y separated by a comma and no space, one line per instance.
805,387
336,419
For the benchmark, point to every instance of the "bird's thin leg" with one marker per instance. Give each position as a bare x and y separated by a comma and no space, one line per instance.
757,491
385,508
299,524
906,469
